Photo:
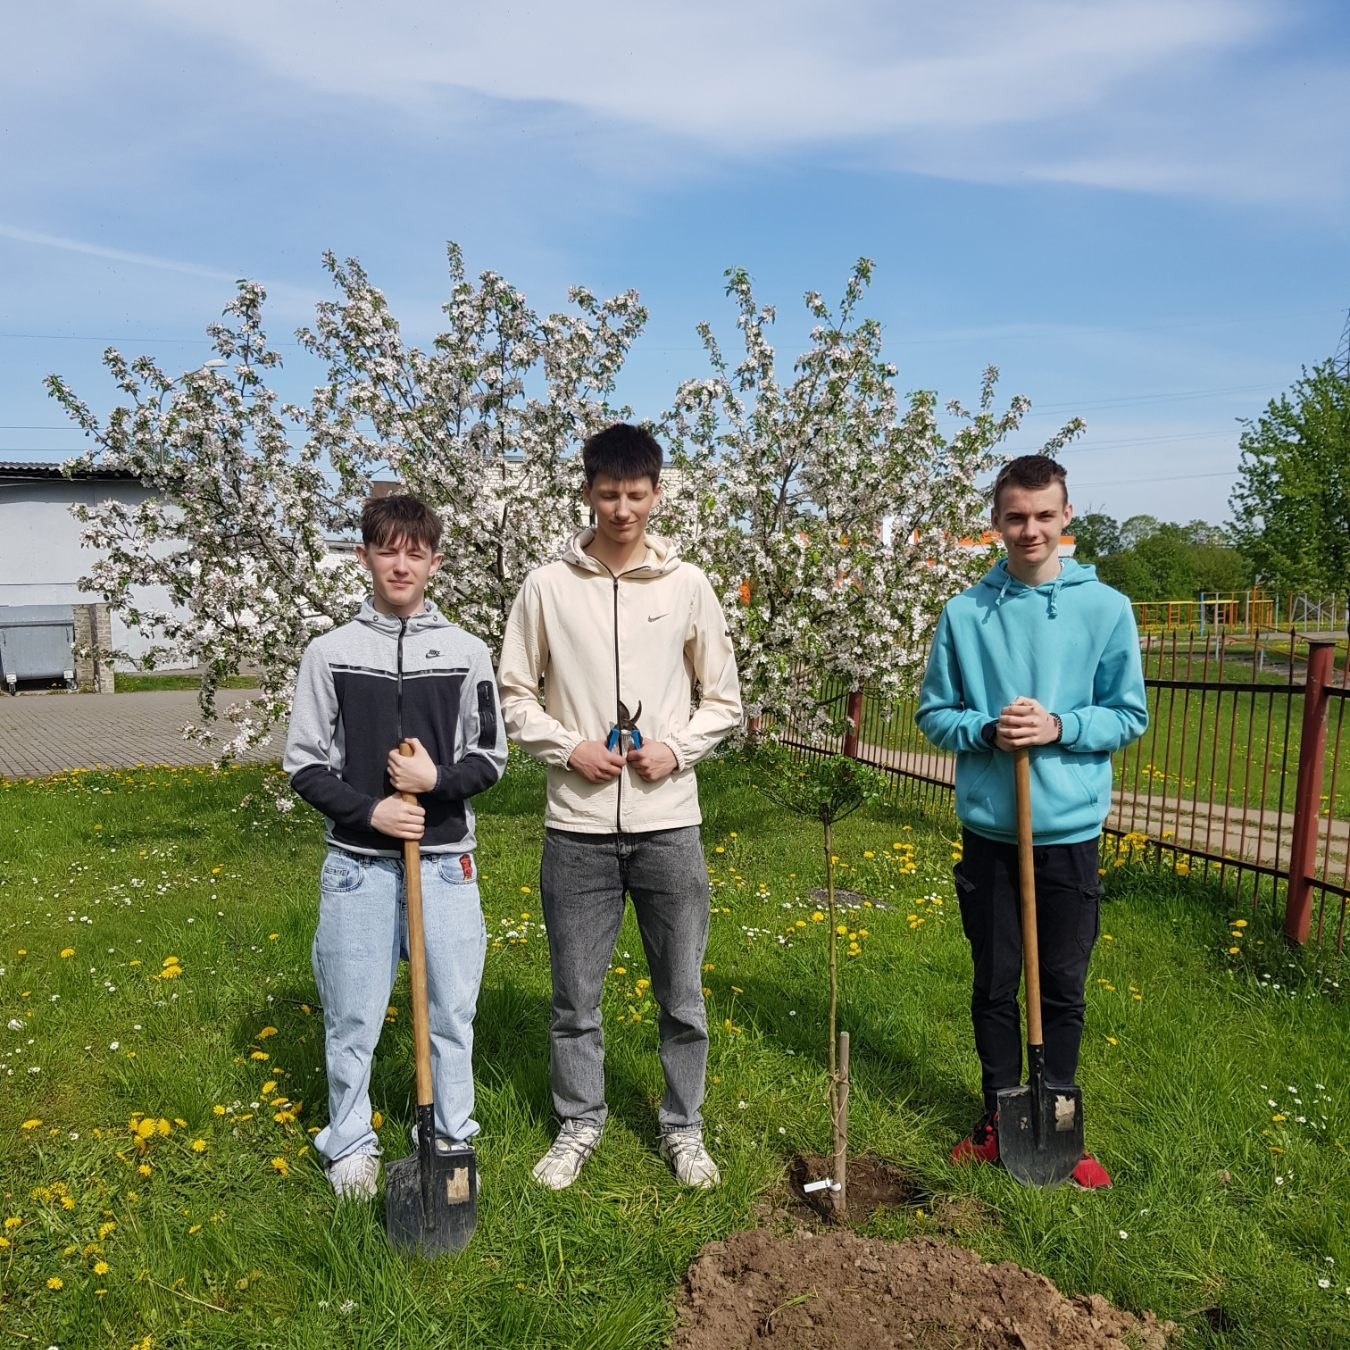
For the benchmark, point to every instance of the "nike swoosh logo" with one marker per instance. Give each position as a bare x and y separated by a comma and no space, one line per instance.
652,618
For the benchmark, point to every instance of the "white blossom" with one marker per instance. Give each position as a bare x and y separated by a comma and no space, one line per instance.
833,518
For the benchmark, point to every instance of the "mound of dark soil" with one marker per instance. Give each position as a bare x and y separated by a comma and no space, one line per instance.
837,1291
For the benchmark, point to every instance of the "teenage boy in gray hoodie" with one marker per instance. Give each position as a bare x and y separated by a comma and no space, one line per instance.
620,631
399,670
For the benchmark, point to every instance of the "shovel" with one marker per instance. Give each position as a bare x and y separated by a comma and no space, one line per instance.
431,1198
1040,1130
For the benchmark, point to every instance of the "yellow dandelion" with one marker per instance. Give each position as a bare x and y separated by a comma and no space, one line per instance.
67,953
172,961
868,854
281,1166
1111,1040
1239,923
272,937
267,1032
30,1124
218,1110
194,1230
621,970
260,1055
56,1284
4,1244
12,1223
817,917
145,1170
199,1145
1279,1119
106,1229
1233,951
163,1128
268,1087
101,1267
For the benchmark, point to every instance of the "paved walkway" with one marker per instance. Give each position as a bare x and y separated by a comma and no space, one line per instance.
42,734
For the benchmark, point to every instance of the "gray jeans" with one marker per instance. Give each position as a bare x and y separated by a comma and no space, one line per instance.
583,882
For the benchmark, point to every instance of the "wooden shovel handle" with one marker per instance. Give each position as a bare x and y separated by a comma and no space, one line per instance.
417,955
1026,865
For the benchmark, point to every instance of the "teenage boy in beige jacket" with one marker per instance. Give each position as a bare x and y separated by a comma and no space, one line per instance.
619,632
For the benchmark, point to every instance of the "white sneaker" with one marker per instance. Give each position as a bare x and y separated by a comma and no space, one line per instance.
354,1177
562,1164
692,1164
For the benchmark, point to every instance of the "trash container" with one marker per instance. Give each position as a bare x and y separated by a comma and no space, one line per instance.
37,642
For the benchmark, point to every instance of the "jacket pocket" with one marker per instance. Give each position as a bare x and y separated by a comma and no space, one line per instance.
984,792
1069,792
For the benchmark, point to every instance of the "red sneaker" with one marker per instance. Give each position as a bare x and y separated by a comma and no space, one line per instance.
1090,1175
981,1145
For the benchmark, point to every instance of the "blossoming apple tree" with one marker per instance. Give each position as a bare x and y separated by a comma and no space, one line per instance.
247,491
828,515
833,521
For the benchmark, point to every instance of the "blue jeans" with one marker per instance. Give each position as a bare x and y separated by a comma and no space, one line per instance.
362,934
583,882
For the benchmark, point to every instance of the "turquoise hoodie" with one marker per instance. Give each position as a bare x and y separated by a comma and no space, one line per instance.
1070,644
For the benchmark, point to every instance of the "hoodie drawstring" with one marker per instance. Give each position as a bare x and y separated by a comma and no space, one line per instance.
1053,607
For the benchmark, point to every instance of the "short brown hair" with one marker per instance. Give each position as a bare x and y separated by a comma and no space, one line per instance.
390,519
1030,472
622,452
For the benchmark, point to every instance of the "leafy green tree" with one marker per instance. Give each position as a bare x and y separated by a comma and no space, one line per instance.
1291,506
1220,568
1095,534
1138,528
1160,566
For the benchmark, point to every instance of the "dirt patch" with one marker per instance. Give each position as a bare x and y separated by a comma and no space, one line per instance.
872,1185
837,1291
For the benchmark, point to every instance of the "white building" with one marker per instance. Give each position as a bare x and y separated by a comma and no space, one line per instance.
41,557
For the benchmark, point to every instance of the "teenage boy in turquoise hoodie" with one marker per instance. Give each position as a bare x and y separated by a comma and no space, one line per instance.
1042,655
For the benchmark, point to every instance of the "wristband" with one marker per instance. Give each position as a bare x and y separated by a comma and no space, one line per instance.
1059,728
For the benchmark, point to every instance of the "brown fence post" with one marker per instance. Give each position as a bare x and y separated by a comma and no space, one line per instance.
1308,794
855,703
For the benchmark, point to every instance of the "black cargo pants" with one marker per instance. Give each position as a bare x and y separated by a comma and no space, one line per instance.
1068,917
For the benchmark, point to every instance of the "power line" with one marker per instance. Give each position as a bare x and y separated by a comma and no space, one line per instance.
1148,478
1185,396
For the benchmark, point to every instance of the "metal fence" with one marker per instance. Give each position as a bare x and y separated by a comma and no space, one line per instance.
1243,775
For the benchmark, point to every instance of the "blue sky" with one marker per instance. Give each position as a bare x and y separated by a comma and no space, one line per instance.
1138,209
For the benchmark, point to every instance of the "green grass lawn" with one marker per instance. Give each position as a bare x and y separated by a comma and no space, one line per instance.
1215,1087
142,682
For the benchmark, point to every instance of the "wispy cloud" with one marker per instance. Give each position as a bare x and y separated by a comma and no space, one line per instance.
286,300
1213,98
92,250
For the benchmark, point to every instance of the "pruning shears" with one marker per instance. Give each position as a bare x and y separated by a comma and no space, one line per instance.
626,726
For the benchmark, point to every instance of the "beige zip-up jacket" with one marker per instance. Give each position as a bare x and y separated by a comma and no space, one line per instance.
590,639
